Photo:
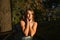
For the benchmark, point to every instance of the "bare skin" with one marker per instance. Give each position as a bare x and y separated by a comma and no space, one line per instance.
30,27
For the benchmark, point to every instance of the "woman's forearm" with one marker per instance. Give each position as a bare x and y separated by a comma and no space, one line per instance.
26,30
32,31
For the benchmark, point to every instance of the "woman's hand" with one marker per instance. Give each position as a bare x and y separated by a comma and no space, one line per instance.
32,28
27,21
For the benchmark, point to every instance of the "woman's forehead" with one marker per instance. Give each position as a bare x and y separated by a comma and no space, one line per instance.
29,11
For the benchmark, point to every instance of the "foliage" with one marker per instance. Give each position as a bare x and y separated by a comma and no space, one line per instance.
22,5
43,10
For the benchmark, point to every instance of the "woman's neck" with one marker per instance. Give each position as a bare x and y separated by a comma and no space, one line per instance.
31,20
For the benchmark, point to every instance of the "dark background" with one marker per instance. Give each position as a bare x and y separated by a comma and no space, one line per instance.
47,14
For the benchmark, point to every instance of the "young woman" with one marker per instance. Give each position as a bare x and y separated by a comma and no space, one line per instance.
28,25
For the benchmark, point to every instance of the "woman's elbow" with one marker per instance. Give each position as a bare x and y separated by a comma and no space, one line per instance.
33,33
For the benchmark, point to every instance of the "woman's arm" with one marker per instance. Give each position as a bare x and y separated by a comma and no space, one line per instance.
33,29
25,29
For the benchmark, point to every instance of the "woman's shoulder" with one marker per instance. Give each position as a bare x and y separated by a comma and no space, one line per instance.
35,23
22,22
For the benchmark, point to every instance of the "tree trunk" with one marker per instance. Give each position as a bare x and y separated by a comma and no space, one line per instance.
5,16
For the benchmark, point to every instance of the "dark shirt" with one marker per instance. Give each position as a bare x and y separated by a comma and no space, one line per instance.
18,31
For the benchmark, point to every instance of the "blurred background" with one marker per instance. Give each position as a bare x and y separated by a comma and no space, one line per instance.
45,10
47,14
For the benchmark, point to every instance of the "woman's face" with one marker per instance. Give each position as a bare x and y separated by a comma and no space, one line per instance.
30,14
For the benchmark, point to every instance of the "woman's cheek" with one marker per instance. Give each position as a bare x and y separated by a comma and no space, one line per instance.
31,16
27,15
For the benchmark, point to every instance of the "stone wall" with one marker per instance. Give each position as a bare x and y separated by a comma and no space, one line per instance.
5,16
